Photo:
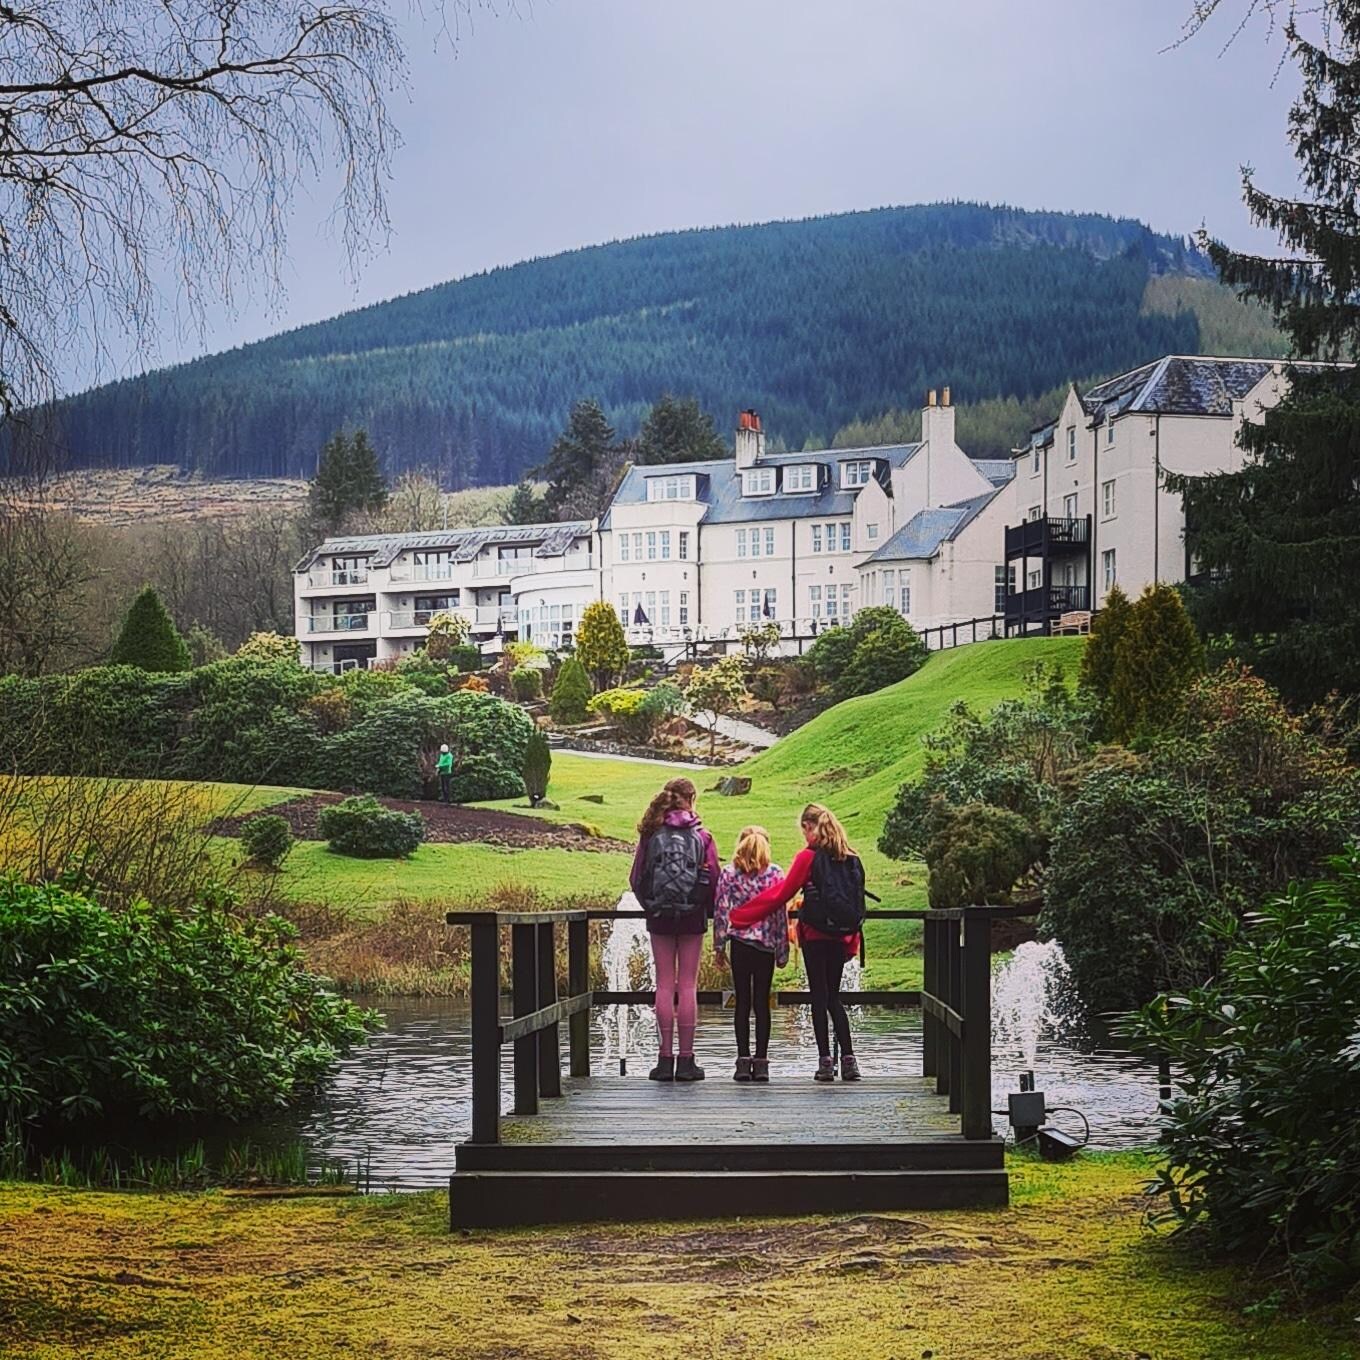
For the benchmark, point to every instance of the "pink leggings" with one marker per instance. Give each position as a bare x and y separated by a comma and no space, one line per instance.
677,969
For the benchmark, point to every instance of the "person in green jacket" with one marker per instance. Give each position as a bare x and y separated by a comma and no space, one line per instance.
444,769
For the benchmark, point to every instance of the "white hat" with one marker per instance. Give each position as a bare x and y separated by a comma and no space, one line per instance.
443,748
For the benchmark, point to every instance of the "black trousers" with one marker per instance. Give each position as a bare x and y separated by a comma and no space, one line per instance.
823,961
752,974
445,786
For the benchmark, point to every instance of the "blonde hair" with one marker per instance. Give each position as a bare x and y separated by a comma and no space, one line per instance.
752,854
676,795
827,832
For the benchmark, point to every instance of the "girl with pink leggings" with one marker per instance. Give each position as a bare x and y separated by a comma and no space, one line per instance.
675,876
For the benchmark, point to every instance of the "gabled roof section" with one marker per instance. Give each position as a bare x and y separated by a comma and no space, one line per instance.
550,540
926,531
998,471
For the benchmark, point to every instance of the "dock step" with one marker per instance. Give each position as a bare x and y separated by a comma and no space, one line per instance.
494,1199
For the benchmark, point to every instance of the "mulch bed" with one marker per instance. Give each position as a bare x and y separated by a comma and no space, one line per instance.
445,824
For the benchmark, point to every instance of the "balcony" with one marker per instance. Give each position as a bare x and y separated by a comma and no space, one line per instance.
337,623
1048,537
1043,604
417,618
341,577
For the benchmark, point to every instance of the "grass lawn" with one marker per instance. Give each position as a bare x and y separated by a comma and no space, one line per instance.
1069,1272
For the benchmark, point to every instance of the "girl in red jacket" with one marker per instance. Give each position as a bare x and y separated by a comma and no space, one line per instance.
824,954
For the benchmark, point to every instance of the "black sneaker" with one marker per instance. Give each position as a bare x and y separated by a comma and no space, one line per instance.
826,1070
743,1072
686,1069
849,1067
664,1070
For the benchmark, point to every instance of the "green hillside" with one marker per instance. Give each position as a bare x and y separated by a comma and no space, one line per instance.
817,323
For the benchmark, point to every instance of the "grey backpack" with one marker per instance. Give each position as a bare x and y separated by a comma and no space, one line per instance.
674,871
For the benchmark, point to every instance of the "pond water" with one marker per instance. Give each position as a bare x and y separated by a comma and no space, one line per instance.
397,1108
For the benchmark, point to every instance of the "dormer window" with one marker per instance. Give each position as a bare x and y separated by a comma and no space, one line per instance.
857,473
680,488
800,479
758,482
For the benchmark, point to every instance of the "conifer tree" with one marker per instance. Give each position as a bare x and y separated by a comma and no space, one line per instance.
601,645
348,480
1102,647
1157,658
1280,538
537,767
148,638
571,692
679,430
581,463
526,506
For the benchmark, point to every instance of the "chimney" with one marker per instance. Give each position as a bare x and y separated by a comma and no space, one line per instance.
750,440
937,422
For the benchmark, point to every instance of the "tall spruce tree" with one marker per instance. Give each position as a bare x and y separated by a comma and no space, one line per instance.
1280,539
348,480
148,638
526,505
1157,658
1099,658
679,430
581,463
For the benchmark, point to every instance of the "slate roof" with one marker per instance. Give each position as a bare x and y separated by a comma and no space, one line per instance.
552,540
998,471
924,533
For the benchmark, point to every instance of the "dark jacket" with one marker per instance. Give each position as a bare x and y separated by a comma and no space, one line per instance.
694,922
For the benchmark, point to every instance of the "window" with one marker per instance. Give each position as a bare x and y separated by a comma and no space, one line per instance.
741,542
845,536
1036,463
755,542
758,482
510,560
623,547
857,473
1107,499
665,545
847,601
1069,574
637,547
684,545
1070,506
651,545
815,601
665,616
567,622
1035,512
623,609
873,532
1035,578
684,609
1109,432
769,541
1108,568
739,605
904,591
816,538
802,478
670,488
1001,581
1071,443
432,565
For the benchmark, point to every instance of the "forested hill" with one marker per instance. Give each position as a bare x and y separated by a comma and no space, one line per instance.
816,323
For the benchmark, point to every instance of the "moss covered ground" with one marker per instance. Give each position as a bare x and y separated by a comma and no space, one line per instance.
1069,1272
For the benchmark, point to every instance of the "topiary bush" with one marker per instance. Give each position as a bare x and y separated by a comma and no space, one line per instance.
570,693
526,684
1259,1144
267,840
537,767
363,828
181,1012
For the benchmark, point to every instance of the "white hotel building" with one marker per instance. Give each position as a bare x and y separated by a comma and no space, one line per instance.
692,553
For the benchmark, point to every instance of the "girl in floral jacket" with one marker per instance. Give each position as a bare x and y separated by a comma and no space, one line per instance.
753,951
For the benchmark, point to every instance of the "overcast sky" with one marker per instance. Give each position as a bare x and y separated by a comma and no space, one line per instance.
572,122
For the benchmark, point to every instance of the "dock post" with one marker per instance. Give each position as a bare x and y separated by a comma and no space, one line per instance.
954,930
549,1052
524,992
929,985
578,983
486,1031
977,1033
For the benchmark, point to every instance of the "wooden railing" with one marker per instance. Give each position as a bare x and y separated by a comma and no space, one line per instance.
955,1001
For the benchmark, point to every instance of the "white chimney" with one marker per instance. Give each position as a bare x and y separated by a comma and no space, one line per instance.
937,421
750,440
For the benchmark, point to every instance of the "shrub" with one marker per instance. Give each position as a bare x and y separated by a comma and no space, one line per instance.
758,640
887,649
830,655
363,687
362,827
977,854
526,684
537,767
478,779
524,653
601,646
331,709
1157,658
148,638
268,646
1098,656
1260,1145
571,693
448,631
712,691
766,683
267,840
475,684
181,1013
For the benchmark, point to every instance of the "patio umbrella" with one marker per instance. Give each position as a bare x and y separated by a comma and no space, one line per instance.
640,619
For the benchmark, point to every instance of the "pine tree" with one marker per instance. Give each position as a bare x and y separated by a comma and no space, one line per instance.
571,692
679,430
1280,539
1102,648
601,646
537,767
348,480
581,462
148,638
1157,658
526,506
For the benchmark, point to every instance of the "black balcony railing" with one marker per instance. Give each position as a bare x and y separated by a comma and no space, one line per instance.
1045,603
1047,537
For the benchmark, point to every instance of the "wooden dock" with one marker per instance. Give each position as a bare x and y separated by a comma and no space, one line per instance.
609,1147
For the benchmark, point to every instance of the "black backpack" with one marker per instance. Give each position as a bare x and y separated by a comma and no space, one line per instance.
674,871
833,900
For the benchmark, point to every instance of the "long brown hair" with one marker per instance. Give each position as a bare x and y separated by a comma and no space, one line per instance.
827,832
753,851
677,795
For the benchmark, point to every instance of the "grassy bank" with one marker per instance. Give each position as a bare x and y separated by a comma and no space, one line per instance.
1068,1273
